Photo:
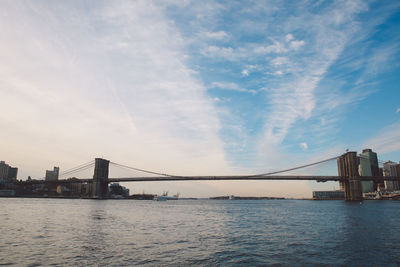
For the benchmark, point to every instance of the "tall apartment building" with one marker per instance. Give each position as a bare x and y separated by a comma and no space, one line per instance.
7,173
52,175
364,169
398,170
390,169
374,166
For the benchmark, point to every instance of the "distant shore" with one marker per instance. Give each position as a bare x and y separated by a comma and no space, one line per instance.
150,197
189,198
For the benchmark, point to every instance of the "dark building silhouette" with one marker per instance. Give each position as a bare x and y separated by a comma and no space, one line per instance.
398,170
390,169
52,175
320,195
8,174
116,190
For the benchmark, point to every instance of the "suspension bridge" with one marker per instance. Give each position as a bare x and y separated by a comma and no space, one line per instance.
347,168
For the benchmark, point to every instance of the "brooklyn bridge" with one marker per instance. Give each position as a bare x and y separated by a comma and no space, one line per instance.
348,176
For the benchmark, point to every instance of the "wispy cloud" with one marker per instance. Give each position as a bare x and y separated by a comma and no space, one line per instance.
276,47
219,35
388,140
295,99
231,86
289,37
251,51
278,61
217,51
304,145
296,45
380,60
245,72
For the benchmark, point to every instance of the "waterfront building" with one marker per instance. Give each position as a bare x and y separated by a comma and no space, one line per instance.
116,190
63,190
75,186
7,173
52,175
373,159
390,169
326,195
7,192
398,170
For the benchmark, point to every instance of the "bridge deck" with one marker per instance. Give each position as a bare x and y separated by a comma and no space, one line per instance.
216,178
226,178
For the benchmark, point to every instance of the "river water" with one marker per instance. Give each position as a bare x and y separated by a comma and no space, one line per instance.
77,232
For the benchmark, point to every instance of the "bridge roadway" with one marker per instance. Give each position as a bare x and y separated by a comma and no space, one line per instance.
238,177
224,178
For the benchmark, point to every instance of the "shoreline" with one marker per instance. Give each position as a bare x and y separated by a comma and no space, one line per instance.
192,198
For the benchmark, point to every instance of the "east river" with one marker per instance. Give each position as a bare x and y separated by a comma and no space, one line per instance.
78,232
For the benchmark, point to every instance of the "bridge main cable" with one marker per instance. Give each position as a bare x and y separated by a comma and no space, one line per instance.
294,168
249,176
78,168
142,170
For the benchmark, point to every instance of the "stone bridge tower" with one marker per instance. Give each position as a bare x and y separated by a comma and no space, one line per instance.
348,167
100,178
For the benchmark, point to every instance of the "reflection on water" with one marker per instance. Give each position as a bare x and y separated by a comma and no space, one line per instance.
72,232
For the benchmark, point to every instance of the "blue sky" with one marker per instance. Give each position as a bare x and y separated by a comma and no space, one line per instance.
199,87
303,77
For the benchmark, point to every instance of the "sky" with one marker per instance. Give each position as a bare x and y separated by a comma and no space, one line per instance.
199,88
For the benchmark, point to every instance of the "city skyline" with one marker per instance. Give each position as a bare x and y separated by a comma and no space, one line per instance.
365,164
198,88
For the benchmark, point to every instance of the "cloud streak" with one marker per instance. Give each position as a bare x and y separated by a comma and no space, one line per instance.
232,86
219,35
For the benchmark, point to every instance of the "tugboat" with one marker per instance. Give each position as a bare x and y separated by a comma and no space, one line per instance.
165,197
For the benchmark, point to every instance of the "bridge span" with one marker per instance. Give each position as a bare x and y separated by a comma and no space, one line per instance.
251,178
224,178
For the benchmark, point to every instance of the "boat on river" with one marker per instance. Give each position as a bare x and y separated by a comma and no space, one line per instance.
165,197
